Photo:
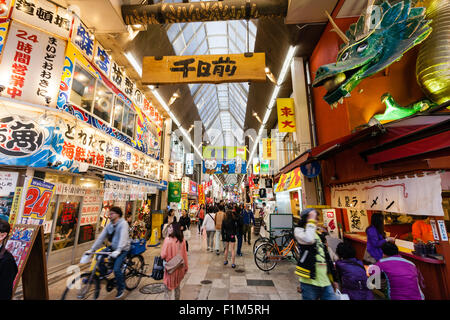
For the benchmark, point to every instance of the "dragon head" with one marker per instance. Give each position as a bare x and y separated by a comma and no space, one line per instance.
371,45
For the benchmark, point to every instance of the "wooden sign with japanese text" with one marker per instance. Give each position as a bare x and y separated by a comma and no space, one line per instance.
204,69
286,115
26,244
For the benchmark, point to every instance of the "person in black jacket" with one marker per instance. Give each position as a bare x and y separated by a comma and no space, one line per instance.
185,223
239,220
8,267
229,232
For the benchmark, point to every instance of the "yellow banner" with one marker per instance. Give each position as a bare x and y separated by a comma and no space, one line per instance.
289,181
286,115
227,153
269,149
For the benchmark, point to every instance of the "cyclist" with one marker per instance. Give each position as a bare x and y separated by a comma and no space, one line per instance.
117,234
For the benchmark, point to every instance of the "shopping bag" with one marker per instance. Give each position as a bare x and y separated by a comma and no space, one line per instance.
158,268
341,296
187,234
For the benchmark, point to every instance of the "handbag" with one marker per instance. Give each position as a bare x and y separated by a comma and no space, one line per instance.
164,230
341,296
176,262
158,269
368,258
187,234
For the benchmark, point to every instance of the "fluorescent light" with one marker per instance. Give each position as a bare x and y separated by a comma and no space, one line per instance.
286,64
134,63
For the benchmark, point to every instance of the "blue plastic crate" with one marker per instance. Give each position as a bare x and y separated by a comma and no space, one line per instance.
138,246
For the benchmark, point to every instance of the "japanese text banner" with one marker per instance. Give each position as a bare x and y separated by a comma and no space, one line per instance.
415,196
204,69
286,115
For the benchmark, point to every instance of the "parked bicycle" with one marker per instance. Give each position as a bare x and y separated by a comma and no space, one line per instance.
268,253
87,285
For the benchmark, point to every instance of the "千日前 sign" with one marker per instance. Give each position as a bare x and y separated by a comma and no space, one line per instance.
415,196
204,69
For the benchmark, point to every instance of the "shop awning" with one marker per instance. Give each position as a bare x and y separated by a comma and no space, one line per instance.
421,136
122,178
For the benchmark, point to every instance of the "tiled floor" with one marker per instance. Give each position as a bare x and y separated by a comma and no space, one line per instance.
225,283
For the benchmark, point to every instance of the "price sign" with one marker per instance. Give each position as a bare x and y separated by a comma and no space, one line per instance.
38,197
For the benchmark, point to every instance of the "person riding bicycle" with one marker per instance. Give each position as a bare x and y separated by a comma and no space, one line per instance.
117,234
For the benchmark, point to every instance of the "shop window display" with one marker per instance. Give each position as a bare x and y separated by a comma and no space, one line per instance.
66,222
83,88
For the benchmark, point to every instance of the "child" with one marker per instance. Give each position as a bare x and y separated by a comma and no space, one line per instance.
352,274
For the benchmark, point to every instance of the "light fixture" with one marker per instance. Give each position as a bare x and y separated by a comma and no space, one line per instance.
134,63
174,97
257,117
270,75
190,128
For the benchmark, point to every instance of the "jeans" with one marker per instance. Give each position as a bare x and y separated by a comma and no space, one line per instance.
239,244
120,279
310,292
210,238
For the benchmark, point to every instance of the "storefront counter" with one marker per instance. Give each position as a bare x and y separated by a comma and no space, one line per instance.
432,270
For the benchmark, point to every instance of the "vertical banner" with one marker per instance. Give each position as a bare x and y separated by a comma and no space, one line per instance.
256,166
31,65
358,220
37,200
269,149
189,163
174,191
330,222
15,206
265,166
201,194
184,201
286,115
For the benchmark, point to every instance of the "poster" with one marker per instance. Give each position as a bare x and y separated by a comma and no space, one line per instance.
201,194
38,197
15,206
269,149
330,222
442,230
31,65
189,163
290,180
8,181
357,220
286,115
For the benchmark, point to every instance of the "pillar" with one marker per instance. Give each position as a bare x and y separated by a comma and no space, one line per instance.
166,159
302,134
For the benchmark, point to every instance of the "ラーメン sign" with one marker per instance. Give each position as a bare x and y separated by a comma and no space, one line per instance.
204,69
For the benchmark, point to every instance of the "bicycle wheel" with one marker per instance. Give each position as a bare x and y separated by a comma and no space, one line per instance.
80,288
264,256
258,242
134,268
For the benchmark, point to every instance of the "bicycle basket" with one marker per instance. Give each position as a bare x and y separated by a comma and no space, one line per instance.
138,246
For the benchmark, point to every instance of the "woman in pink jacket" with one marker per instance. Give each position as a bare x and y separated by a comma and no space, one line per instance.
173,245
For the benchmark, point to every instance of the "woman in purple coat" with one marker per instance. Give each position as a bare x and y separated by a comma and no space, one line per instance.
352,274
376,237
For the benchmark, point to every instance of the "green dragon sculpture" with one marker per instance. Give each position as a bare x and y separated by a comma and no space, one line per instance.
372,45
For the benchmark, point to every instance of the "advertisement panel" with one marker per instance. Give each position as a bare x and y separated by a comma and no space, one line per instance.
38,197
31,65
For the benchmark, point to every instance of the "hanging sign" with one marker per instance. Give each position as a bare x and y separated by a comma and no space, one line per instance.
31,65
406,196
434,229
44,15
201,194
330,222
269,149
442,230
286,115
204,69
265,166
174,191
184,201
288,181
357,220
189,163
192,188
38,197
256,166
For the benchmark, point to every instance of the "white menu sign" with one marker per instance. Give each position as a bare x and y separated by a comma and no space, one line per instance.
8,181
31,66
43,15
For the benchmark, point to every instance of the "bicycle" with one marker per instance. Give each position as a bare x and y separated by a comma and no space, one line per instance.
269,253
87,285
